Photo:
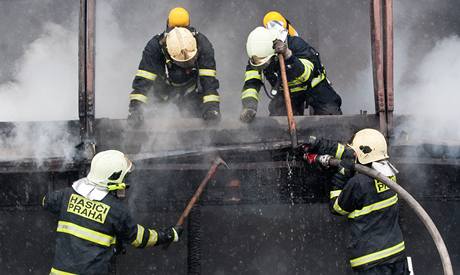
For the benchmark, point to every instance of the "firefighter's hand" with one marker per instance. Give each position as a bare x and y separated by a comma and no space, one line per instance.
310,144
282,48
348,165
136,114
248,115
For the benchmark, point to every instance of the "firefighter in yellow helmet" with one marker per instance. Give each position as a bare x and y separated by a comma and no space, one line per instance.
93,221
272,18
178,67
307,81
372,208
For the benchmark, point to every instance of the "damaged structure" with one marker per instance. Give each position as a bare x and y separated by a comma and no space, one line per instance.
266,214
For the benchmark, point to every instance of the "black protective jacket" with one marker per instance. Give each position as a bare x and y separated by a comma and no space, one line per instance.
371,208
158,76
304,72
88,231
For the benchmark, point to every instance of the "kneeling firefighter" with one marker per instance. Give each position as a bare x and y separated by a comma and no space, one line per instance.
306,76
377,245
177,66
92,220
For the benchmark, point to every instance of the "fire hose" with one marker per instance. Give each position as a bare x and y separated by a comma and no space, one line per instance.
326,161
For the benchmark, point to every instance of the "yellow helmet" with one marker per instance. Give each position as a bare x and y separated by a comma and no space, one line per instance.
276,16
182,47
178,17
370,145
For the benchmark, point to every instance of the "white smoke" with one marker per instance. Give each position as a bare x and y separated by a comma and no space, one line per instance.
116,64
45,85
432,95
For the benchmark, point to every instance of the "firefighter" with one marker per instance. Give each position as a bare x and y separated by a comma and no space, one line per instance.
274,18
377,244
177,66
306,75
93,221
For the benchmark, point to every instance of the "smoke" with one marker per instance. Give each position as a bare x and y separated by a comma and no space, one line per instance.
45,86
427,71
431,99
44,82
38,142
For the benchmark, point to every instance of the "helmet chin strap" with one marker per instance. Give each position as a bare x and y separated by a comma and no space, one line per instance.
112,186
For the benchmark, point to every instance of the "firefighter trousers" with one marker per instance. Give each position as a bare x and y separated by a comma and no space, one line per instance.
323,99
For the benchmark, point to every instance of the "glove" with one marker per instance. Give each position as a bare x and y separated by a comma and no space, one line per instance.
344,173
248,115
348,165
211,115
282,48
310,144
136,114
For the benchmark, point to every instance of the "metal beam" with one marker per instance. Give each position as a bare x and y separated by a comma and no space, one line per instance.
377,62
86,75
388,60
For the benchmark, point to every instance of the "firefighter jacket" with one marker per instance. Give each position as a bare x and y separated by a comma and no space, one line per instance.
303,70
159,76
88,231
371,208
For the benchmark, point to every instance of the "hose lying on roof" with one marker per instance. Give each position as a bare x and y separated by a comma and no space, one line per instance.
413,204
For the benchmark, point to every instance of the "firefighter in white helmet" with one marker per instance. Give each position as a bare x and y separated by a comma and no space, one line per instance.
306,76
178,67
93,221
377,244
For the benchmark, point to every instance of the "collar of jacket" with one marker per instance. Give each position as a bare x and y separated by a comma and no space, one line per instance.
88,190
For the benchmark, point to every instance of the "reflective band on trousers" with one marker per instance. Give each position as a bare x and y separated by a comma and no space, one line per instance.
374,207
252,74
207,72
85,233
369,258
140,97
55,271
251,92
211,98
339,152
139,237
146,74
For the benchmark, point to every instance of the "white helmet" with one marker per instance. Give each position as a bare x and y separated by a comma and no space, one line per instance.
370,145
108,169
181,46
260,47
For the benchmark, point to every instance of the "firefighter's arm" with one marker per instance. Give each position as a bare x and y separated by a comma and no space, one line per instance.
140,236
207,75
143,237
344,196
150,71
52,201
250,93
325,146
299,69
